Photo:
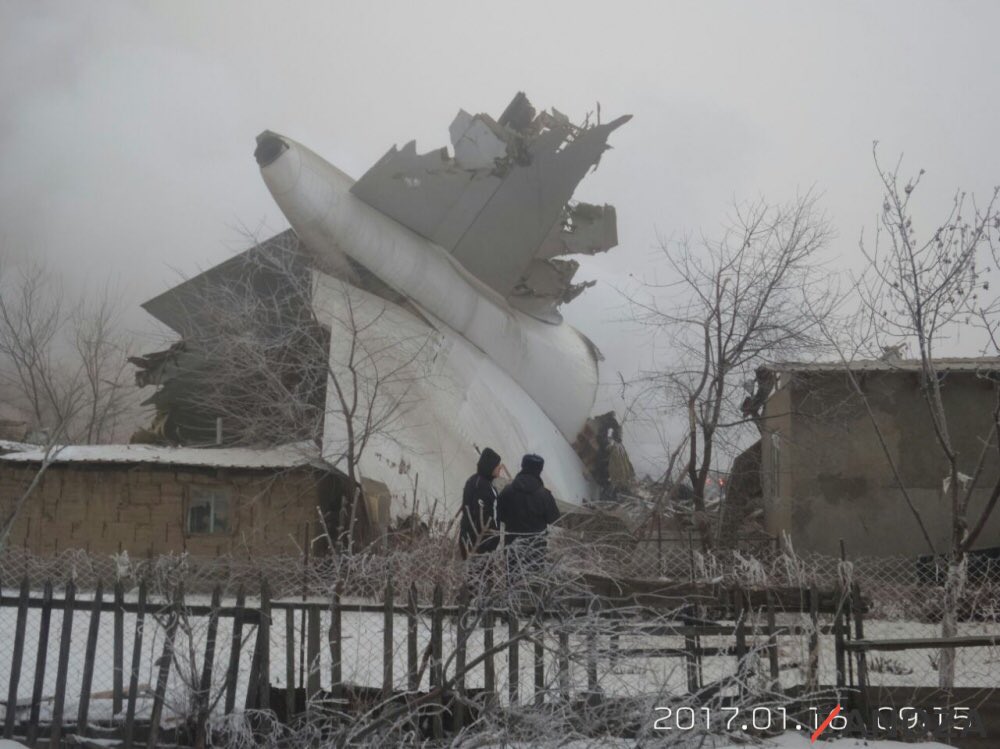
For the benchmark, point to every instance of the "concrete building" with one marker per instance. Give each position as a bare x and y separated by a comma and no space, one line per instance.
827,477
150,500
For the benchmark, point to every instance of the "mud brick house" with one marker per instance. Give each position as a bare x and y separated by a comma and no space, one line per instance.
826,477
151,500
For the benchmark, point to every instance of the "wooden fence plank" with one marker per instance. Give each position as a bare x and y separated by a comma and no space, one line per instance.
564,664
118,674
591,660
65,641
859,634
235,645
205,683
163,673
413,679
812,665
539,648
88,661
437,664
252,701
461,637
313,676
40,659
336,645
772,644
489,665
17,655
387,642
839,652
513,664
133,679
264,630
290,664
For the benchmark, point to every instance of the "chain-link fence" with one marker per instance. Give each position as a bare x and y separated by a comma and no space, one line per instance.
563,644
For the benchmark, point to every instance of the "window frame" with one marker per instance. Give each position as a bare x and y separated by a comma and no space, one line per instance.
214,494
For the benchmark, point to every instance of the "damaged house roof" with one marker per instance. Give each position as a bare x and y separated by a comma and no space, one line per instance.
284,456
947,364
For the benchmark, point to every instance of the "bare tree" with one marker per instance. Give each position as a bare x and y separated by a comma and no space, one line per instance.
63,362
730,305
102,349
917,290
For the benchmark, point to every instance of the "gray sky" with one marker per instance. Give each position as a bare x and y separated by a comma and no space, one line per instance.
127,129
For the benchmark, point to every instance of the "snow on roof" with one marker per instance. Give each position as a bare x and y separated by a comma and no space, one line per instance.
284,456
953,364
9,446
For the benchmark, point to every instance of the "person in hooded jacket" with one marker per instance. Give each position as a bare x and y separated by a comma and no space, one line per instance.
526,509
478,533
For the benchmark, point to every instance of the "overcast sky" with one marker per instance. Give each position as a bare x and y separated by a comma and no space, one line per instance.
127,129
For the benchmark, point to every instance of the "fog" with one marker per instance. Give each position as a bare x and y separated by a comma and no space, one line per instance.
127,129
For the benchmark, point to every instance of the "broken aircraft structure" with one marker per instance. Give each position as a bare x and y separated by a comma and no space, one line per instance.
463,252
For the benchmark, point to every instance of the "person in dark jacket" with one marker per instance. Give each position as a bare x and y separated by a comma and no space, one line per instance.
478,533
526,509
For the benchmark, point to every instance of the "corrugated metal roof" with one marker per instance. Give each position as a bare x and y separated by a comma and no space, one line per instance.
953,364
285,456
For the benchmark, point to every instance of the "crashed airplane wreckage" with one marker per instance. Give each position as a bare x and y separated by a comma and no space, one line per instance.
462,252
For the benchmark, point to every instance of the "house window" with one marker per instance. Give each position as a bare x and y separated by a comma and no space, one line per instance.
208,510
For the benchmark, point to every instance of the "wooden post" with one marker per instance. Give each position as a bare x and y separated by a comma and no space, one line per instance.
205,685
412,681
290,664
313,676
236,643
16,656
437,664
88,661
461,637
133,679
40,658
163,673
65,640
812,667
118,674
513,651
772,642
387,644
334,639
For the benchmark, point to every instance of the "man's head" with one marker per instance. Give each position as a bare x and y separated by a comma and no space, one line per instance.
532,464
489,463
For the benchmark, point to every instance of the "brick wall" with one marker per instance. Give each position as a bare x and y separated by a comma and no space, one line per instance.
110,508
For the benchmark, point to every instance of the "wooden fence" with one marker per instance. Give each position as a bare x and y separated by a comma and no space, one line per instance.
751,612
